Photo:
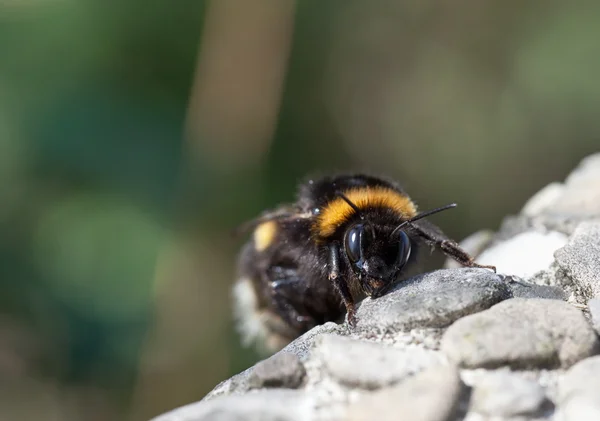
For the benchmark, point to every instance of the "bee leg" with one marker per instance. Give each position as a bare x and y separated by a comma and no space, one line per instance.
287,293
448,246
340,283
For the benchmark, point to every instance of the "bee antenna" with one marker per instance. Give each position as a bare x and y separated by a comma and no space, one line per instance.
352,205
421,216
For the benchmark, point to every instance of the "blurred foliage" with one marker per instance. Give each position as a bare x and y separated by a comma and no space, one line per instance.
115,255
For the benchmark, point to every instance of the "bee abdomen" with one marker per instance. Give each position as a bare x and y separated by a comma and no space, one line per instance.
257,324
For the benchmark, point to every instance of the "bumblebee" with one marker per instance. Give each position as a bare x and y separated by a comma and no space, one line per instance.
346,237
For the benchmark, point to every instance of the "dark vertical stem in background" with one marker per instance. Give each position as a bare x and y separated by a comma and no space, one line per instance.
238,86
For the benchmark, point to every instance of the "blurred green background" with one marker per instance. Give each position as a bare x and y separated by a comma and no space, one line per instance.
135,135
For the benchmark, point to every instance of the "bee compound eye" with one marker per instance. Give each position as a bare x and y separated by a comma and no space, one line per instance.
352,243
403,249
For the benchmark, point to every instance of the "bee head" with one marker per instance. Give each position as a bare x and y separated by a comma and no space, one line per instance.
376,256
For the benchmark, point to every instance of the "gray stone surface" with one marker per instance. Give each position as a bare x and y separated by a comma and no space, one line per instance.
523,289
543,200
371,365
580,259
525,254
300,348
521,333
303,345
508,395
432,395
578,197
523,347
581,196
264,405
516,224
283,370
594,308
559,206
579,391
433,299
233,385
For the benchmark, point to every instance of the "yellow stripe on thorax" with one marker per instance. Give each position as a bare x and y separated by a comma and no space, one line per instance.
338,211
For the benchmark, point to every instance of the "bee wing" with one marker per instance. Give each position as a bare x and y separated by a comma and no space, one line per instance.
282,212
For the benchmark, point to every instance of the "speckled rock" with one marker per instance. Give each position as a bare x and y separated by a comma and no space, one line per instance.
300,348
522,339
523,289
432,395
434,299
581,196
577,197
580,258
264,405
543,199
525,254
284,370
579,392
371,365
558,207
514,225
234,385
594,308
303,345
508,395
521,333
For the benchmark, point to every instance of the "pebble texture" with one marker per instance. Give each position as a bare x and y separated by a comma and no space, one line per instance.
521,333
300,348
579,392
264,405
577,198
525,254
543,200
432,395
522,289
370,365
523,340
432,300
508,395
282,370
594,308
580,258
303,345
581,194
